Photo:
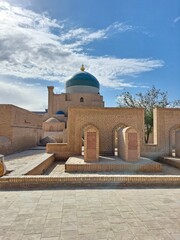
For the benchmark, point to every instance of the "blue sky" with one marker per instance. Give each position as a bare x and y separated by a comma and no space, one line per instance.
128,45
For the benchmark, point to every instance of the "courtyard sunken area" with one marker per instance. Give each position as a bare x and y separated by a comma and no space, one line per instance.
36,169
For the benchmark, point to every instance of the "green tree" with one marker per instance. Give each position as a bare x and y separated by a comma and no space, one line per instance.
149,100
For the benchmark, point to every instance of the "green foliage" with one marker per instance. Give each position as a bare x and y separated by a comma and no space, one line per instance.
149,100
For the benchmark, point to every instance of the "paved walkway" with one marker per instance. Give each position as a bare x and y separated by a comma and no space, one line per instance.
90,214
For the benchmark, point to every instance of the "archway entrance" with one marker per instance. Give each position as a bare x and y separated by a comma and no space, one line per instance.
82,142
174,135
116,139
177,143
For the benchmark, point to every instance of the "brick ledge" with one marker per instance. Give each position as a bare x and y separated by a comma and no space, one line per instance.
47,181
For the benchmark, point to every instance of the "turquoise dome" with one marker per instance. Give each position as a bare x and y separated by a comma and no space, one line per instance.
82,82
60,112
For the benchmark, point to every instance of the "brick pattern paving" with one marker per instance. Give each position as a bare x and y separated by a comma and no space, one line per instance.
90,214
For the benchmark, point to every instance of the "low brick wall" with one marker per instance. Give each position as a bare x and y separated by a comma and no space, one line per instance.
175,162
113,168
60,150
35,167
26,182
42,167
77,164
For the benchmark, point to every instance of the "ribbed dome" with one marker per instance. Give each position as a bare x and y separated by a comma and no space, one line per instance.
52,120
82,82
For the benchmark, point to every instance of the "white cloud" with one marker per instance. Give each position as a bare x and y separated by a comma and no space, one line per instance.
81,36
35,46
176,19
33,97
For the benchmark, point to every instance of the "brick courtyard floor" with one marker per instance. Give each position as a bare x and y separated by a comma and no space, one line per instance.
102,213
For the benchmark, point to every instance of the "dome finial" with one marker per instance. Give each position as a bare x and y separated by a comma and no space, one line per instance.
82,68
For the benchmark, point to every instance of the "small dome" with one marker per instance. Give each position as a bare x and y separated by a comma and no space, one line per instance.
60,112
52,120
82,82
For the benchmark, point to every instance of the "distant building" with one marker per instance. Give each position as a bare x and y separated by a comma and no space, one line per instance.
19,129
82,89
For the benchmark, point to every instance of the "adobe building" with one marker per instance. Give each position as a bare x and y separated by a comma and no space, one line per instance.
19,129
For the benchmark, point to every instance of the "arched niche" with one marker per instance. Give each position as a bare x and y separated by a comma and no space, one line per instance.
81,99
174,141
115,137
